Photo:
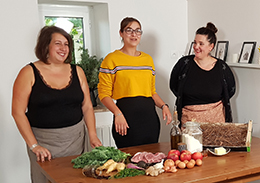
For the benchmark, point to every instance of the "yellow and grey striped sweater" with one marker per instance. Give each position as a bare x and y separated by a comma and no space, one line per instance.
122,75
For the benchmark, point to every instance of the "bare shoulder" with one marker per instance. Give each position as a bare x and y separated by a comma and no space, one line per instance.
26,71
81,74
80,71
25,75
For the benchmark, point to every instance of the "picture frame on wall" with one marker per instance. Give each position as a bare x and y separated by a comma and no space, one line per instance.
222,50
191,50
247,52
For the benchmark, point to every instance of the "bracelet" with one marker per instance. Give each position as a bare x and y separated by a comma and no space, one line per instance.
33,146
118,114
164,106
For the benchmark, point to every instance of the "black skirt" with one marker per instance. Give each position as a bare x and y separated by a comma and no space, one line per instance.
142,119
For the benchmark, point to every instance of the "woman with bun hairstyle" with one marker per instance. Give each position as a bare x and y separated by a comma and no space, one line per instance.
127,75
202,83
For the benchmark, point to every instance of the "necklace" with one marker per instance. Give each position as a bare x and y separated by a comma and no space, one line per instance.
206,64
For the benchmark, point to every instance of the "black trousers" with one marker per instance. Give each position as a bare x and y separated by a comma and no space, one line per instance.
142,119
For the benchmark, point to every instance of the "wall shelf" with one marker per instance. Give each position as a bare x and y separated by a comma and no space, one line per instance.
244,65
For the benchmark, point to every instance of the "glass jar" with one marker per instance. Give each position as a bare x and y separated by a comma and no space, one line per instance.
175,131
192,136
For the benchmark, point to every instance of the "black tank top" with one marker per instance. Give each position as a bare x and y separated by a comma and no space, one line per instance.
54,108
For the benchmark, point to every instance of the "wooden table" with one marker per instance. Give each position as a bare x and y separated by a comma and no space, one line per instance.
233,167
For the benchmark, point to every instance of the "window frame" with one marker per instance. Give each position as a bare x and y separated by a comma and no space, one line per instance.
70,11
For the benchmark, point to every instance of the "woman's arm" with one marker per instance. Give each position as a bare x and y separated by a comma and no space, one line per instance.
231,84
165,109
21,93
175,74
105,91
120,121
87,109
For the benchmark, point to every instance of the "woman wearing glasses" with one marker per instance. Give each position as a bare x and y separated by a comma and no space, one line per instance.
128,76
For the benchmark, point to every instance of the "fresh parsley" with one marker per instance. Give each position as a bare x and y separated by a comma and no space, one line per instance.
98,156
128,172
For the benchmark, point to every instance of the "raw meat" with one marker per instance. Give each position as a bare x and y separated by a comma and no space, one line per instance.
148,157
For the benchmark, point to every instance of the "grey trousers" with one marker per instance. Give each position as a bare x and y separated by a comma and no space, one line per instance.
60,142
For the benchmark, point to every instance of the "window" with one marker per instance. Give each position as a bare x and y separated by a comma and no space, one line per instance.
74,20
93,17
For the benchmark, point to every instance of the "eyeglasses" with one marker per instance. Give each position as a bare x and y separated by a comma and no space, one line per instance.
130,31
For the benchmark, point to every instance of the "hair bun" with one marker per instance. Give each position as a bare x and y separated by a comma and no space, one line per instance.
212,27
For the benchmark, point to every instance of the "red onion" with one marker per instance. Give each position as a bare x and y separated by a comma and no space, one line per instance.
131,165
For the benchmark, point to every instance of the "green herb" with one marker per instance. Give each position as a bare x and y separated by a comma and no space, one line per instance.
98,156
128,172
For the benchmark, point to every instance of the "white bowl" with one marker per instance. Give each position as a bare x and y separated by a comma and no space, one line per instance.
212,151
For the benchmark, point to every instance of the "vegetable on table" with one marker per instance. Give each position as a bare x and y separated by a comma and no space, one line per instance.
155,170
199,162
131,165
120,167
128,172
98,156
169,166
106,165
181,165
111,167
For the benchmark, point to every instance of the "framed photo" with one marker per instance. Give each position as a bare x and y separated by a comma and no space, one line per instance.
191,51
247,52
221,50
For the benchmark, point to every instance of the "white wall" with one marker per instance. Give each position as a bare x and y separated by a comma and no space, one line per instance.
237,21
165,32
102,30
19,28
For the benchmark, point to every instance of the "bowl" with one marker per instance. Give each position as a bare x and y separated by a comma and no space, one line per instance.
212,151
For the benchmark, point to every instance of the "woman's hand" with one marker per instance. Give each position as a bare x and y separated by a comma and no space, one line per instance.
121,124
120,121
167,114
94,141
165,108
42,153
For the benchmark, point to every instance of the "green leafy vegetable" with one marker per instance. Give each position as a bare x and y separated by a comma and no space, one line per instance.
98,156
128,172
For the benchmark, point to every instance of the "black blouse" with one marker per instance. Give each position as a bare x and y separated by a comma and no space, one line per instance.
202,87
182,70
